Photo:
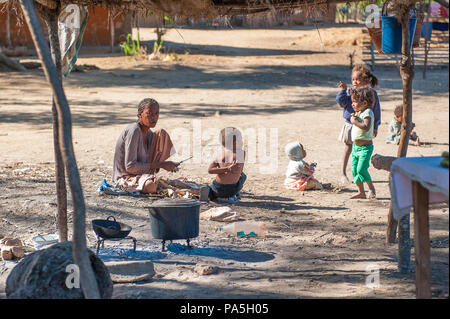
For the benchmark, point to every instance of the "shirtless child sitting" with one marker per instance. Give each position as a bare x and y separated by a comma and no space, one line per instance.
228,166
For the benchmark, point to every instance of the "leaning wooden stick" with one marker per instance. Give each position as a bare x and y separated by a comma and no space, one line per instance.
80,252
382,162
11,63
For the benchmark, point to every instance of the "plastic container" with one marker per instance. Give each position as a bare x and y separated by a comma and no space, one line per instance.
41,241
430,30
245,229
440,26
392,34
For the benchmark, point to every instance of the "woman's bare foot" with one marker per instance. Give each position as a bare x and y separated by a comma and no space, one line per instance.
359,195
372,195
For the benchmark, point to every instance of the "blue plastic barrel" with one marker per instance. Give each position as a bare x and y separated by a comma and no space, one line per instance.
430,29
441,26
392,34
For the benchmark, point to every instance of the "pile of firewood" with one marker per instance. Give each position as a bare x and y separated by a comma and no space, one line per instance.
177,188
11,248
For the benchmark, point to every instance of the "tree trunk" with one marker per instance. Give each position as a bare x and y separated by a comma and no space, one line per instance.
407,74
427,20
8,30
112,28
80,253
404,244
384,163
392,224
61,191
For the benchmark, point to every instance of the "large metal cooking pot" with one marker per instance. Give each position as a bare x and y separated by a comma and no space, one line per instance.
175,218
110,229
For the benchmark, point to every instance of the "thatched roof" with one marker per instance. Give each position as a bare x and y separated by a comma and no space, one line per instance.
214,8
195,8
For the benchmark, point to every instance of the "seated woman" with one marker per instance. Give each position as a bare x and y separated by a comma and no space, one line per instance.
140,152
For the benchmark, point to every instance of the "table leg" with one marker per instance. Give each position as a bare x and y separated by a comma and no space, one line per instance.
404,244
422,241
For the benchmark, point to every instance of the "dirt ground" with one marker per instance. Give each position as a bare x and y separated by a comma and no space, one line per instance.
319,244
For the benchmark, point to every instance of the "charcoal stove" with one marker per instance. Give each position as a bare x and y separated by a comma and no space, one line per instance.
101,242
110,229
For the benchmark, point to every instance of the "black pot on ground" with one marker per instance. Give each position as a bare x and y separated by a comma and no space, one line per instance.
172,219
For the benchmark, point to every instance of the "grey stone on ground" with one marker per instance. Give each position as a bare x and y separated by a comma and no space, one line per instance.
203,269
130,271
42,275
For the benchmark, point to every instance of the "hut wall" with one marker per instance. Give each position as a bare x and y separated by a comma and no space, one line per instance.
260,20
97,30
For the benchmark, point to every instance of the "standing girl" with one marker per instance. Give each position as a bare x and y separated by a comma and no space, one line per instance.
361,76
362,134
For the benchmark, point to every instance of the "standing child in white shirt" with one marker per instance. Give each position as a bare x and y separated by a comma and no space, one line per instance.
362,134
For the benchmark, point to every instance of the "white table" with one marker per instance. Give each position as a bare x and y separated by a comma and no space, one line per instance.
417,182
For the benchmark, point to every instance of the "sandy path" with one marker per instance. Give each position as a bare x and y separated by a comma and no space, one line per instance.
320,242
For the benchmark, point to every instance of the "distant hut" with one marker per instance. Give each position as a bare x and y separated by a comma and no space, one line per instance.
98,29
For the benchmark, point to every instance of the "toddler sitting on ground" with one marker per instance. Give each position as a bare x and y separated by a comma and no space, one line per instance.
395,128
299,174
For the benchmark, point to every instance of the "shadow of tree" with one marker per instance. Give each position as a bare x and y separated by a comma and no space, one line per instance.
222,253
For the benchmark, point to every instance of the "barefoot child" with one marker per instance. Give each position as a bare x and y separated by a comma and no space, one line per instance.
362,135
299,174
361,76
228,167
395,128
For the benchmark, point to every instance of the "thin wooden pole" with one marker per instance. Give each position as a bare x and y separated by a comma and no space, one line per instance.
426,42
407,74
51,18
8,27
112,28
404,244
11,63
80,253
372,56
422,241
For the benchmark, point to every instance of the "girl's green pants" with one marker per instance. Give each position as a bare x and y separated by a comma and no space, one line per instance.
361,162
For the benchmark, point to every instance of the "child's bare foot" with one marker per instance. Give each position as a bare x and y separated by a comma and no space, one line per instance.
314,184
417,142
372,195
359,195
